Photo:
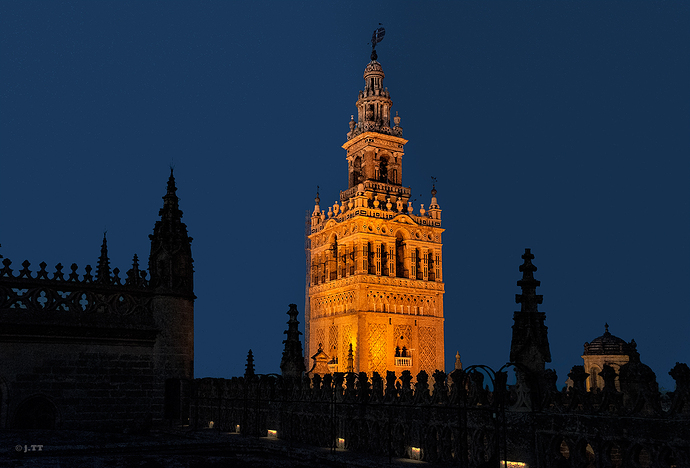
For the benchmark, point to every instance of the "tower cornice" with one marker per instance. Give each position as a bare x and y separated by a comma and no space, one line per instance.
375,139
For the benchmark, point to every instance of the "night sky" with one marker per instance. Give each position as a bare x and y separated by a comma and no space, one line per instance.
557,126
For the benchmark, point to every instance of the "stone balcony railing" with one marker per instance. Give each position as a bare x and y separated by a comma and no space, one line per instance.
391,189
403,362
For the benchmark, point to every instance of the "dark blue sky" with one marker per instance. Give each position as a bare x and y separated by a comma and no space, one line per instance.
558,126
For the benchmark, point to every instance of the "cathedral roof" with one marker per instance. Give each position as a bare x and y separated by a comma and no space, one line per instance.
608,344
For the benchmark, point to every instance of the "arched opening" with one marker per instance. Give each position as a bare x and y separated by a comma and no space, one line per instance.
384,260
643,458
432,267
371,252
615,456
400,256
383,170
590,457
417,258
35,413
596,382
356,175
333,270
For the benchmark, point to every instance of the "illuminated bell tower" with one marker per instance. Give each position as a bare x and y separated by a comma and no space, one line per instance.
376,280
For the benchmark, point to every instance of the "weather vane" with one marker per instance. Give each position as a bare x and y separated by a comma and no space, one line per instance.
377,37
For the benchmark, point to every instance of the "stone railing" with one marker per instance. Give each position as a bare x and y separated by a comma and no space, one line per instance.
41,292
457,419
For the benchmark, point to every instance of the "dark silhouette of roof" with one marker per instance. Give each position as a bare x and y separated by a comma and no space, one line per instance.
609,344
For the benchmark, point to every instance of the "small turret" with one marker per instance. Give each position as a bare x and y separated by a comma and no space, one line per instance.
434,209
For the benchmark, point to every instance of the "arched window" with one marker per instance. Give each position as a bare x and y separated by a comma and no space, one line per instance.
432,269
383,170
418,264
356,176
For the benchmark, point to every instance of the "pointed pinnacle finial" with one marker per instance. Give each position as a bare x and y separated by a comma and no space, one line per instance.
317,200
103,270
529,298
171,183
606,327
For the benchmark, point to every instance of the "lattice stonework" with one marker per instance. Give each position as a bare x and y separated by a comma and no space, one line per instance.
332,341
377,348
427,352
347,339
318,338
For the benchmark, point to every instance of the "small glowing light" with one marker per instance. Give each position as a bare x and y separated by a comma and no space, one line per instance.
513,464
272,434
415,453
237,428
210,424
341,443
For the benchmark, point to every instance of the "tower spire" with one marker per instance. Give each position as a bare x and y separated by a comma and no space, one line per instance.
170,261
103,269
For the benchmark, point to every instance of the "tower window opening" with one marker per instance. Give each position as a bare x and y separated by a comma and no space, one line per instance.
384,260
334,261
418,261
383,171
370,259
400,257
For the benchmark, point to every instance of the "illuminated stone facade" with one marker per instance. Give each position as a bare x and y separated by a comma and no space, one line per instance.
376,279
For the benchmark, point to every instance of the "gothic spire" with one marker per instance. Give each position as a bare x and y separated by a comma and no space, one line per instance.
249,368
103,268
292,363
530,344
170,261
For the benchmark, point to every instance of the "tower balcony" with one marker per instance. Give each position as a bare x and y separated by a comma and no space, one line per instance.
403,362
380,187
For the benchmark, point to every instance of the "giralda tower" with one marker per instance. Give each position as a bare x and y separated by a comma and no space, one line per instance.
376,276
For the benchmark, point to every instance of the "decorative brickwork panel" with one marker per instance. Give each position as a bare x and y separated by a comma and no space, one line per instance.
347,339
332,341
377,348
427,352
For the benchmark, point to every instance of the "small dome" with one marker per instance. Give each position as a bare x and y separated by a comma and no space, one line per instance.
608,344
373,67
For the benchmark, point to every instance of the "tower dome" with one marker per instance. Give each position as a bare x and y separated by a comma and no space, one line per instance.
606,350
608,344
